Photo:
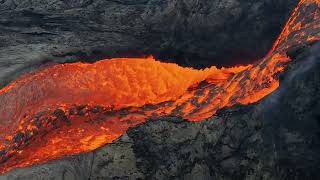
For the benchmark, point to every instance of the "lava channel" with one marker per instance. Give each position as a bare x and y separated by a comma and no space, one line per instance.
72,108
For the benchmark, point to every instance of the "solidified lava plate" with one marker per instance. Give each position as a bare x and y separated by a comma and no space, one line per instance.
72,108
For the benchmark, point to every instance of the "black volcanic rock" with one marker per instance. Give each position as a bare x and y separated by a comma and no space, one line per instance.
190,32
277,138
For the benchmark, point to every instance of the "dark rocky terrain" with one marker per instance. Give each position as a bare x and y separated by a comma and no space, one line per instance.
190,32
275,138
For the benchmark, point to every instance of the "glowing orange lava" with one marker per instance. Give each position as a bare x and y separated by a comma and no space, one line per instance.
72,108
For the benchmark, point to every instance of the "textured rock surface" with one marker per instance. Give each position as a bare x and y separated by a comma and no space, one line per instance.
190,32
276,138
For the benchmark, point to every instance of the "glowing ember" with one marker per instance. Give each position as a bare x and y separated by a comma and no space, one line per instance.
71,108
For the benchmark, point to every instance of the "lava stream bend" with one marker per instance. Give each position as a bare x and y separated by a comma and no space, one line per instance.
72,108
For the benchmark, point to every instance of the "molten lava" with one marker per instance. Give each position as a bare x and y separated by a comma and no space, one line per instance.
72,108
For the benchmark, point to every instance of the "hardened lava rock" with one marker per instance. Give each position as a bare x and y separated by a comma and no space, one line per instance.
194,33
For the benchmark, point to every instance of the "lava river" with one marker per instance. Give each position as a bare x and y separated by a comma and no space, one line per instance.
72,108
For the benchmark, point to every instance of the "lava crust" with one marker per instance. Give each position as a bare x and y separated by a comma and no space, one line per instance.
72,108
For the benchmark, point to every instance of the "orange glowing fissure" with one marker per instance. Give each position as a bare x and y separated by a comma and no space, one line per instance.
71,108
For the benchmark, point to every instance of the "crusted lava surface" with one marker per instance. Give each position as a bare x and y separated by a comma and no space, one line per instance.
65,112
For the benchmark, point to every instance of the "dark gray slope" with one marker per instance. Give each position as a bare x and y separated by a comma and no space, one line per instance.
276,138
191,32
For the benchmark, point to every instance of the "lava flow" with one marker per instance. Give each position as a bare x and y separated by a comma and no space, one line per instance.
72,108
